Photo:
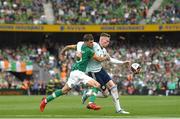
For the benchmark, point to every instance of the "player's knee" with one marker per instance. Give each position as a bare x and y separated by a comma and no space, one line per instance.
113,87
98,85
92,83
66,89
111,84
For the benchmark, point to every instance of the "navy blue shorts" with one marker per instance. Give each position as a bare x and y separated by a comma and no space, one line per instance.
102,77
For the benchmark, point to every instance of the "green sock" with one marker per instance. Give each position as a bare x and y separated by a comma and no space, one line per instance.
55,94
92,98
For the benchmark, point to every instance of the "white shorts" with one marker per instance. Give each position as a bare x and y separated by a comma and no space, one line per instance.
76,77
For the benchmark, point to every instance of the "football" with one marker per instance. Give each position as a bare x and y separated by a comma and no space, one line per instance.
135,68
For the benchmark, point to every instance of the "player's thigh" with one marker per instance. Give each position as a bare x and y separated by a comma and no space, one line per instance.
97,77
77,77
89,80
93,83
102,77
74,78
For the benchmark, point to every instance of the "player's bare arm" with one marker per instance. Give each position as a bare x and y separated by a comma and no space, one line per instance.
116,61
68,47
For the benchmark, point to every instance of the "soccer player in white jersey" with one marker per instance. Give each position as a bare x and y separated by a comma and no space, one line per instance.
96,71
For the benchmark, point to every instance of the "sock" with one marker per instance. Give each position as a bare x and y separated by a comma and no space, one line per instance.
92,98
115,97
54,95
89,92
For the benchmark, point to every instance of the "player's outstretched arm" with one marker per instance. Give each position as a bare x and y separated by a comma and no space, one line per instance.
116,61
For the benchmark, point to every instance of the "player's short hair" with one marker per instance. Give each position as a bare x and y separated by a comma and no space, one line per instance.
88,37
105,35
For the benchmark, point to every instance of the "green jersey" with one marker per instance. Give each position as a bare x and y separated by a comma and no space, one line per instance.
87,54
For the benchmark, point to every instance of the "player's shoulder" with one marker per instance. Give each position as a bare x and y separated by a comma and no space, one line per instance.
104,49
95,44
80,43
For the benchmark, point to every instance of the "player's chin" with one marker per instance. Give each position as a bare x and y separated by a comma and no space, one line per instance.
106,45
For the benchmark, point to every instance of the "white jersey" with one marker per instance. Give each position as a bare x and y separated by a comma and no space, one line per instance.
93,66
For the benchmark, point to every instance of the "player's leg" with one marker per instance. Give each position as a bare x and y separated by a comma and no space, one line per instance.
105,79
54,95
92,83
73,79
100,94
91,104
87,92
94,89
58,93
114,92
92,98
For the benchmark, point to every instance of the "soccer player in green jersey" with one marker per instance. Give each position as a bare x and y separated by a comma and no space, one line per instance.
77,74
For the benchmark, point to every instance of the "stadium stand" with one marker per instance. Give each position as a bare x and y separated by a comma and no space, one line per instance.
89,12
115,12
21,12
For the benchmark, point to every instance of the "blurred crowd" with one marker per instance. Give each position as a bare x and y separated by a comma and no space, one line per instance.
21,11
159,69
159,73
88,12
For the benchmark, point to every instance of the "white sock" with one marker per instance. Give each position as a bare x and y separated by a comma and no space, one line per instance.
115,97
89,92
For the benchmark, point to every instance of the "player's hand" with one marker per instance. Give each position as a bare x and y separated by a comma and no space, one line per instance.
78,55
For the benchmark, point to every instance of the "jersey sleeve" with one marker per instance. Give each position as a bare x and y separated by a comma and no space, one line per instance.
96,46
79,45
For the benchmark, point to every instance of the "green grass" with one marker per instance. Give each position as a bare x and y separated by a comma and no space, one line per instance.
71,107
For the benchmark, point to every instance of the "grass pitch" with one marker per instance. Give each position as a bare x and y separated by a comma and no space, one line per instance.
71,107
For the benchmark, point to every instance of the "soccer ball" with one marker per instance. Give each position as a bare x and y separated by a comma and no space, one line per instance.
135,68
